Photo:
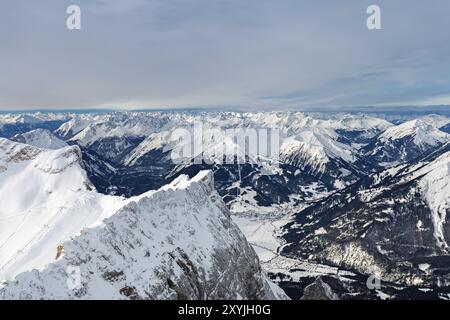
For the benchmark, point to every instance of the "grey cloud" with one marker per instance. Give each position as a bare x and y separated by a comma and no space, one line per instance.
217,53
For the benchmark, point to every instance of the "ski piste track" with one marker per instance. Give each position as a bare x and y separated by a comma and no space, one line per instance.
45,229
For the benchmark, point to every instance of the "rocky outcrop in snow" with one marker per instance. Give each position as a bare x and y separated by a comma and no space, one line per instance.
45,199
393,222
174,243
319,290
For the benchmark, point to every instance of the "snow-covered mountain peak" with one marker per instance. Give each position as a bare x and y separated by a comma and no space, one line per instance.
27,118
204,177
153,142
56,162
435,120
362,122
177,242
15,155
70,128
117,124
37,216
327,138
40,138
15,152
423,133
315,147
405,142
308,154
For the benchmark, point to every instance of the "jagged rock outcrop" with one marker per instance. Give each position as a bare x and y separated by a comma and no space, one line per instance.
175,243
319,290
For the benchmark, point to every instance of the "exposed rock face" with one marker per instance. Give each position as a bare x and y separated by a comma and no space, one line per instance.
45,198
394,223
312,160
175,243
405,142
319,290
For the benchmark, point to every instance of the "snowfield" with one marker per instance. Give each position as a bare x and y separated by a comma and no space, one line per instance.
176,242
46,198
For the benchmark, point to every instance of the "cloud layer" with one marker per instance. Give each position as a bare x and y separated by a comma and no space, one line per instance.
223,53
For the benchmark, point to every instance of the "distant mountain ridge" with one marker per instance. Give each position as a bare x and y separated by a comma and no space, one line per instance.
350,195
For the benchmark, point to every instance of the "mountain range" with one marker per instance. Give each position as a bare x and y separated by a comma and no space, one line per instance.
349,197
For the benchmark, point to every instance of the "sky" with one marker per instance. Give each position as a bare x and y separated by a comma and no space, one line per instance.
251,54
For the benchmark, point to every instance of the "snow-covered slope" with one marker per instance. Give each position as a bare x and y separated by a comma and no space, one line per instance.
437,121
45,198
177,242
114,135
117,125
12,124
70,128
422,133
435,187
40,138
154,142
294,122
405,142
360,122
394,221
314,148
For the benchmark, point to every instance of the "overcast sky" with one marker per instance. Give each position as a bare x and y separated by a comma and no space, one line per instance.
231,53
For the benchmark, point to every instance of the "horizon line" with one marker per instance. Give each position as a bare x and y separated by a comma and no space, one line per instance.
401,108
